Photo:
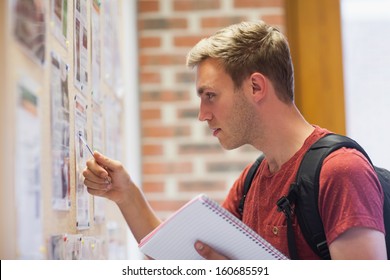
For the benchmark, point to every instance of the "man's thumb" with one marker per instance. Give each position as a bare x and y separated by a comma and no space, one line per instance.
104,161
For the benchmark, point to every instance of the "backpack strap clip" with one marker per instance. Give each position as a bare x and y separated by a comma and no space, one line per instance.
323,250
284,206
285,202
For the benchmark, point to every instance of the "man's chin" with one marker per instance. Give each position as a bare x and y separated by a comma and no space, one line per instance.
228,146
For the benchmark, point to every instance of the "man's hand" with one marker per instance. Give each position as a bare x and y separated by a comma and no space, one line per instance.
207,252
107,178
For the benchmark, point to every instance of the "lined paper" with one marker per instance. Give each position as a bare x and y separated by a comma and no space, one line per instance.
205,220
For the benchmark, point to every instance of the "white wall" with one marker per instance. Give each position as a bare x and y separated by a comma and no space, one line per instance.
366,54
132,133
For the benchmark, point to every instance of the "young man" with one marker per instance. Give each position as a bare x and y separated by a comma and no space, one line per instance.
244,78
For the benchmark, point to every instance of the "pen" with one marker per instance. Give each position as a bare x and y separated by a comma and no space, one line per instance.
108,179
85,142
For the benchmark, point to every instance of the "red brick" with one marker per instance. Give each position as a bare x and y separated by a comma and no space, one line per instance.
162,23
164,96
167,205
187,40
145,6
149,42
153,186
188,113
159,131
201,186
275,20
195,5
201,148
150,114
257,3
166,168
220,22
152,150
162,59
224,166
185,77
150,77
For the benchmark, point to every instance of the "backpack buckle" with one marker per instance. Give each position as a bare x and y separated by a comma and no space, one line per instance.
284,205
323,249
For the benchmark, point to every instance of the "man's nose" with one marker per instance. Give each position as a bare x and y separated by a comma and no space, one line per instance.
204,114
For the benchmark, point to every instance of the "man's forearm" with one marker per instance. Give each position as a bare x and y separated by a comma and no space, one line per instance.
138,214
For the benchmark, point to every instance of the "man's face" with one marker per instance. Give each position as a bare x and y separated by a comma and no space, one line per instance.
227,111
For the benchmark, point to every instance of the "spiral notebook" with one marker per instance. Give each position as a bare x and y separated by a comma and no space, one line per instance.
205,220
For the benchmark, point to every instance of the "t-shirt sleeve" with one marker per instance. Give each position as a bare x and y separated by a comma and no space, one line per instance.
350,194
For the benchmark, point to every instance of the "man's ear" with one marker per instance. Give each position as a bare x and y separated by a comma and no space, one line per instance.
259,85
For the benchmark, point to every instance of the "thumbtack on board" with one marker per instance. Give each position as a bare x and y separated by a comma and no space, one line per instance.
85,142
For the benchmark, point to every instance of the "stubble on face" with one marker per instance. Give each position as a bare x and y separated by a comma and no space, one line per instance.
239,126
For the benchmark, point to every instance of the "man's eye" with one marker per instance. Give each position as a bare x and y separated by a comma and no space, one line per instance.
210,95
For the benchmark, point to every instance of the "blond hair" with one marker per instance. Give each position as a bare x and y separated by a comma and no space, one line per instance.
246,48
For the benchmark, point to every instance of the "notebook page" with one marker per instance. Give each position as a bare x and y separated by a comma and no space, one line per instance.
203,219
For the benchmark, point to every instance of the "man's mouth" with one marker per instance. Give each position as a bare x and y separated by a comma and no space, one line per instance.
215,131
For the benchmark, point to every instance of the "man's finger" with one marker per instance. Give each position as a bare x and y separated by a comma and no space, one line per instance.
207,252
105,162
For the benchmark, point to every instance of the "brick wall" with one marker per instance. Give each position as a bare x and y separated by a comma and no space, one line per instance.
180,157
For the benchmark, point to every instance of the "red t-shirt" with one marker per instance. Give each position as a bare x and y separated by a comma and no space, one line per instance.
350,195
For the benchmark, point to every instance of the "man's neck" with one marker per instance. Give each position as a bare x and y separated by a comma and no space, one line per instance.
285,136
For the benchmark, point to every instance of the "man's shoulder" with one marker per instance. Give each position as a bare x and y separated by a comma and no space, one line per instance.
347,163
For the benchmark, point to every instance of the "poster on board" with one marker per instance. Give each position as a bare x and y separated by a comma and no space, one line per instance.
60,133
112,65
29,27
80,46
81,156
59,20
28,188
95,50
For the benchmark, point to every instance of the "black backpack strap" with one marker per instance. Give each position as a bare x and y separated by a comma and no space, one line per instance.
248,181
303,194
285,205
384,179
